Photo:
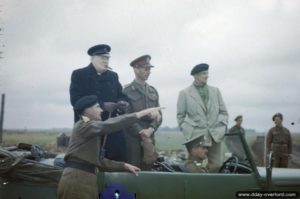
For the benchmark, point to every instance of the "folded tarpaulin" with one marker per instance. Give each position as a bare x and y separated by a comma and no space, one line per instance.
15,167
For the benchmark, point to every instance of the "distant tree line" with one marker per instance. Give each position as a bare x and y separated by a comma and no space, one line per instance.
172,129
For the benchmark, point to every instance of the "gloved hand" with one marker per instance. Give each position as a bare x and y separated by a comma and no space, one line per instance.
110,106
123,106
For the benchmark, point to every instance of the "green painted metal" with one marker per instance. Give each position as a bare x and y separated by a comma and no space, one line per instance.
10,190
249,156
149,185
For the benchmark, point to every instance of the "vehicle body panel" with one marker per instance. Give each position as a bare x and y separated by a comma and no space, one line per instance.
181,185
26,191
149,185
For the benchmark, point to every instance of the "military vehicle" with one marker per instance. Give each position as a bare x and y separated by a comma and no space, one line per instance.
238,177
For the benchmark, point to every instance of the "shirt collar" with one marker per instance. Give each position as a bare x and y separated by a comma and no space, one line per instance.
85,119
199,86
139,82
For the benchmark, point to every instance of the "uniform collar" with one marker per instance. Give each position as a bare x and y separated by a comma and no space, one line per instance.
279,127
85,119
238,127
194,159
140,83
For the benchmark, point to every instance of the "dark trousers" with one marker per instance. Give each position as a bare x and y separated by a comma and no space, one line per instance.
134,150
115,147
280,161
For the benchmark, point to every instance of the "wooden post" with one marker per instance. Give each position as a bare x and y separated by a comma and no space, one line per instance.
2,116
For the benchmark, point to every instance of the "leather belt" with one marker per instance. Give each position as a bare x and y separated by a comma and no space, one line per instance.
82,166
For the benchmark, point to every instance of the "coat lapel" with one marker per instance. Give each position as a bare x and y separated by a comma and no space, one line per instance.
210,97
91,78
195,95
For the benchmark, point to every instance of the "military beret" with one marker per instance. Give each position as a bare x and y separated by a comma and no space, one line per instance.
199,68
85,102
101,49
238,117
195,142
143,61
277,115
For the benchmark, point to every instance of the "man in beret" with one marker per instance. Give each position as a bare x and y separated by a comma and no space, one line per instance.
201,111
279,141
141,95
83,157
98,79
197,149
233,142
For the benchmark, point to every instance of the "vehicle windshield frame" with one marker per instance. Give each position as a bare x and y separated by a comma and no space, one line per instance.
249,156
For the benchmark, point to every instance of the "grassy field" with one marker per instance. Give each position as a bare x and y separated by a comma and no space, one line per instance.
43,138
47,139
166,141
169,140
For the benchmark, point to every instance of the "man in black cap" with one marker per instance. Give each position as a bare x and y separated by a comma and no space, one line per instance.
197,149
201,111
97,79
279,141
84,158
140,136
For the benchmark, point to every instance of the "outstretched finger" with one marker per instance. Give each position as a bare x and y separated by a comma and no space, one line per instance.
158,117
160,108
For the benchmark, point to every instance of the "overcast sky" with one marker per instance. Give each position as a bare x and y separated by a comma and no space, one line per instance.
252,47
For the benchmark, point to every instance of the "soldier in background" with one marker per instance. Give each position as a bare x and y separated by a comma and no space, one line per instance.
280,142
197,149
98,79
140,136
237,128
233,142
